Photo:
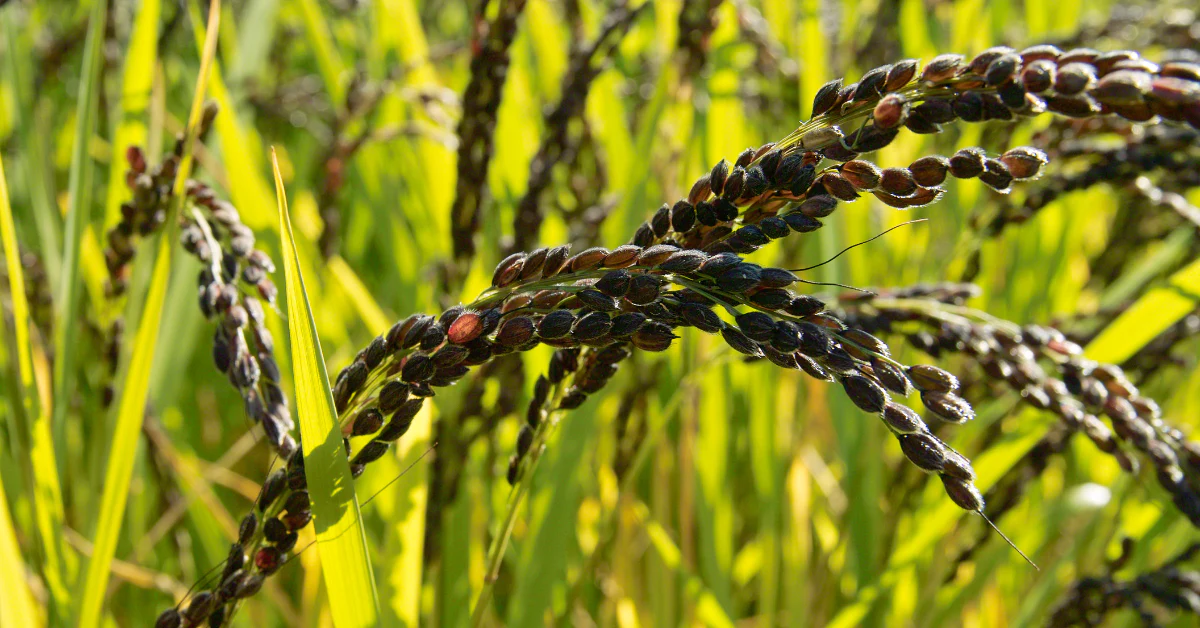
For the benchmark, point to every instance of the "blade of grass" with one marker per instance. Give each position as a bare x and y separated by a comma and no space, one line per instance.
316,27
18,608
79,202
29,120
1152,314
551,536
341,539
705,607
140,58
47,493
131,407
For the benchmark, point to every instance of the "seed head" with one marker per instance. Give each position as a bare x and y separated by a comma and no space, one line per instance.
683,217
370,452
508,270
467,327
805,305
587,259
996,175
626,324
700,317
827,97
622,256
700,190
948,406
863,175
902,419
774,227
923,450
367,422
653,336
891,111
929,171
963,493
900,74
683,261
868,395
596,300
1024,162
555,260
740,342
660,223
957,466
739,278
530,269
942,68
818,206
592,326
801,223
643,289
932,379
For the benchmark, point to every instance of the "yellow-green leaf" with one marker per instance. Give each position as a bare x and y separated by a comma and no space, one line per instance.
79,209
135,98
341,540
132,404
1151,315
18,609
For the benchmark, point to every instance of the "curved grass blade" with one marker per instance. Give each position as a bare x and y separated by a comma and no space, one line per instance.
1149,316
131,130
28,121
342,542
79,206
59,565
47,498
131,407
18,608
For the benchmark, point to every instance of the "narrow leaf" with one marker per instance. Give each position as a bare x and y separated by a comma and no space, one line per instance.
79,205
132,403
18,608
342,542
12,576
1151,315
140,59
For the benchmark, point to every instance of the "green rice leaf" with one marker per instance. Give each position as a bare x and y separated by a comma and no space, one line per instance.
316,27
1151,315
48,504
132,403
79,209
703,603
341,540
140,59
18,608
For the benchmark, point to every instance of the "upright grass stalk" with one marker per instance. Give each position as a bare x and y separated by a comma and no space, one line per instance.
47,501
79,215
47,493
132,404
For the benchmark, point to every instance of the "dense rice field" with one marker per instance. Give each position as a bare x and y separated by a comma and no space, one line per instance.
291,276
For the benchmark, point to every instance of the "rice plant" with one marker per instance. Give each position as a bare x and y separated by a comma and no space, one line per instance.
583,310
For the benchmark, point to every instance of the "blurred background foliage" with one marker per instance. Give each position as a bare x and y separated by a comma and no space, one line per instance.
758,497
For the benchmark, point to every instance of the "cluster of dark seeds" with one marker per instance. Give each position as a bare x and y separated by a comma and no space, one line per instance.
266,539
684,268
584,67
1160,597
481,101
233,284
1169,152
1049,372
235,290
